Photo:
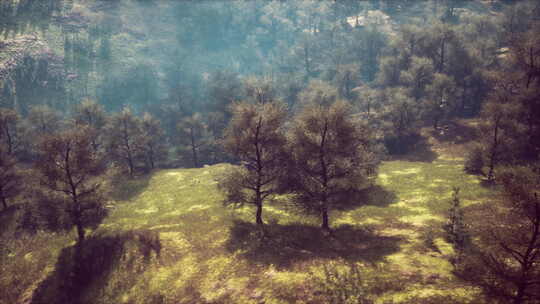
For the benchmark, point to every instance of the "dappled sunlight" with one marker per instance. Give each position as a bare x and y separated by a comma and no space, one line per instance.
213,250
147,211
420,219
406,171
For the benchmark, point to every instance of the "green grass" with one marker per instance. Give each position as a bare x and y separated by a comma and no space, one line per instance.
213,254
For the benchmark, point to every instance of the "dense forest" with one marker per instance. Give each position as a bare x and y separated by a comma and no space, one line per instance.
302,151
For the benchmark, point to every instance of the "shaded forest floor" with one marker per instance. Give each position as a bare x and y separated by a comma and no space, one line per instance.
212,254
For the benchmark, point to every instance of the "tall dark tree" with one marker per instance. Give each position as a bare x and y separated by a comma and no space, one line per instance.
507,263
255,136
70,167
332,158
440,99
123,130
152,141
193,134
92,114
9,130
10,178
43,120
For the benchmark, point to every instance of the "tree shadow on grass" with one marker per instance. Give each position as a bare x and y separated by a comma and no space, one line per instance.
287,244
82,272
375,195
125,188
9,221
419,151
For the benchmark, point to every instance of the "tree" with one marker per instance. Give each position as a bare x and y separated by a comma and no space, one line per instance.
9,130
152,140
440,98
259,89
399,116
417,77
10,179
368,100
123,130
507,263
500,125
193,133
255,136
69,166
224,88
456,231
493,132
92,114
346,78
43,120
331,156
318,92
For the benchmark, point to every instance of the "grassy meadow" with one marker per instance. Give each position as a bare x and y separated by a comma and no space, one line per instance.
212,254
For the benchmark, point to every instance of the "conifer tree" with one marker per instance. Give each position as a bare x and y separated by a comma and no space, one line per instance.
255,137
152,141
123,145
10,179
331,158
193,134
69,166
456,230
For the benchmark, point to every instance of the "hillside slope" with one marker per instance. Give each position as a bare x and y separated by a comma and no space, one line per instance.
213,254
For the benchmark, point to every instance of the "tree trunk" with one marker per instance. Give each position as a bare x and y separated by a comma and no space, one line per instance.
195,158
493,153
259,215
9,141
130,165
80,232
151,158
194,149
325,223
520,292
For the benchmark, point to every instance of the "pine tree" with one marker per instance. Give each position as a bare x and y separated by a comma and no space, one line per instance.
69,166
331,158
255,137
456,231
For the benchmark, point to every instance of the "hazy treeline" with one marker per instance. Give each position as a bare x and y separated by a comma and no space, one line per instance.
423,63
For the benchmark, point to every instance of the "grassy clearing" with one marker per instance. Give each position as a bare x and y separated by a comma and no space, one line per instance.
212,254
